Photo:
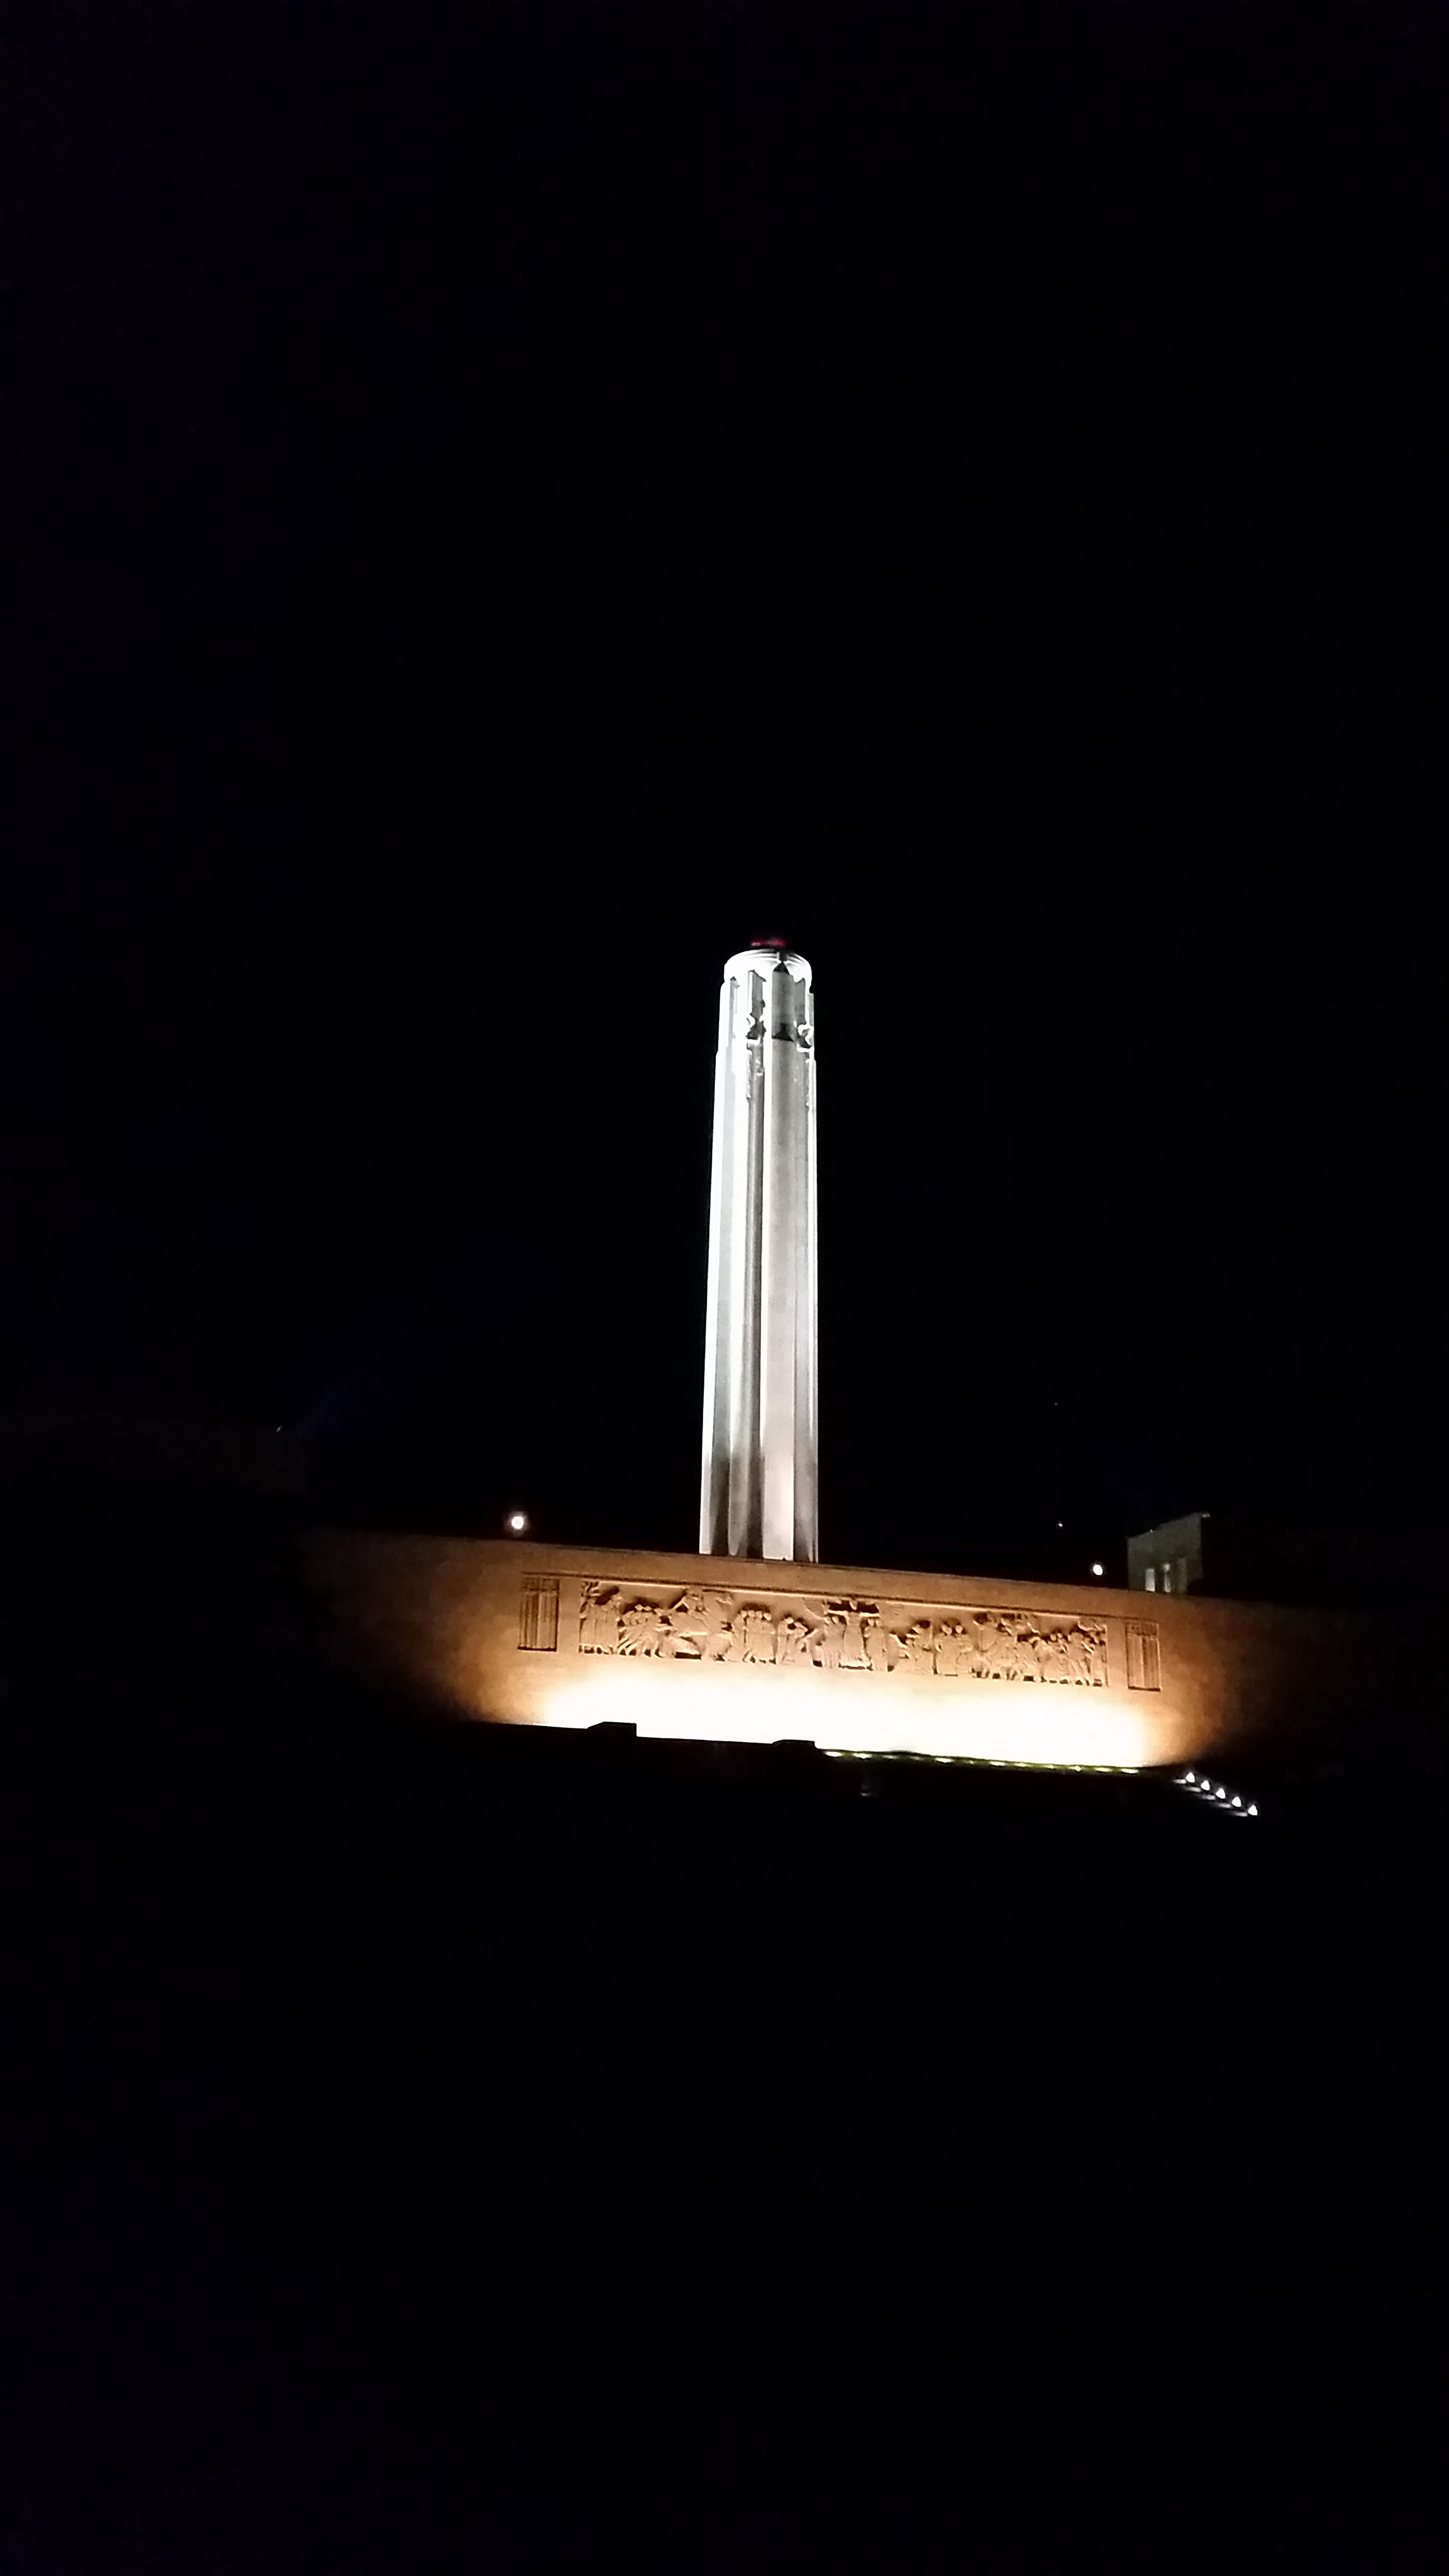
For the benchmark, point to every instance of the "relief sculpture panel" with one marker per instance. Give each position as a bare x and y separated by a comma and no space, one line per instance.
700,1624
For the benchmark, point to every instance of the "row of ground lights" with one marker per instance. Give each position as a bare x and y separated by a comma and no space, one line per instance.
1205,1788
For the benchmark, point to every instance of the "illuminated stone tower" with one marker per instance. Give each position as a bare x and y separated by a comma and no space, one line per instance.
758,1492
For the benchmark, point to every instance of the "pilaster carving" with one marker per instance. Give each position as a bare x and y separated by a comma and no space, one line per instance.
538,1613
1144,1655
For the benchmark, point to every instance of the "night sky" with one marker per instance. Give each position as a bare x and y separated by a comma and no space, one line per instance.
512,504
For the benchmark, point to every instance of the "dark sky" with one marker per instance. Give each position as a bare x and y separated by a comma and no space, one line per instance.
511,503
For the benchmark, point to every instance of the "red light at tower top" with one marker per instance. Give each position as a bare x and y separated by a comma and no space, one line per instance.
769,943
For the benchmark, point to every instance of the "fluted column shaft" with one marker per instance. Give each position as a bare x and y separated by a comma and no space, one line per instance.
759,1483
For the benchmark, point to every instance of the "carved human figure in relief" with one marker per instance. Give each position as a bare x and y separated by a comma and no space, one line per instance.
1087,1652
995,1656
825,1644
687,1626
1009,1661
1022,1632
719,1634
950,1644
851,1617
878,1644
1049,1648
598,1619
642,1629
756,1632
793,1638
918,1646
1034,1649
982,1633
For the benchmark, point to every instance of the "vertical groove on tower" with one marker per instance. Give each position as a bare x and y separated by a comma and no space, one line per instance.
759,1480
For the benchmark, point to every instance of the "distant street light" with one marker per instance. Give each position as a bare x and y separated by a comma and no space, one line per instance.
1096,1569
518,1523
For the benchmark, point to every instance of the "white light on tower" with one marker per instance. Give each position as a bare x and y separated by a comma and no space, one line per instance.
758,1486
518,1523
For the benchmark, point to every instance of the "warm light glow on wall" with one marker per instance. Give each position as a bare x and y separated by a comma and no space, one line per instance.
848,1713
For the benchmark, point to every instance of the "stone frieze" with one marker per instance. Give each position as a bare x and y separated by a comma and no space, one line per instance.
660,1622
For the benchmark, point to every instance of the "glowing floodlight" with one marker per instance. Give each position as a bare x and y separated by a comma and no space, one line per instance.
1222,1793
1237,1802
1252,1811
1188,1781
518,1523
1097,1569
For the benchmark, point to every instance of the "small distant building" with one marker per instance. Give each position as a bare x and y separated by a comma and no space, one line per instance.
1217,1555
1168,1558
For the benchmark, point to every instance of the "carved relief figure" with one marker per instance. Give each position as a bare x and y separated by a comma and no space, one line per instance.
756,1632
793,1640
999,1656
1087,1652
878,1644
641,1629
918,1647
598,1619
1037,1647
851,1617
719,1635
950,1639
687,1625
1052,1656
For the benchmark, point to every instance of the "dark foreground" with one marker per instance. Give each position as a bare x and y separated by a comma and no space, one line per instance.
429,2149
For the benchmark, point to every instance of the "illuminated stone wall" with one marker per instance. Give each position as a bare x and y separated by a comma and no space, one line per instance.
847,1657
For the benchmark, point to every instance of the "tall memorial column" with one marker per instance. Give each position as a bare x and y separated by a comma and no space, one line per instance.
758,1493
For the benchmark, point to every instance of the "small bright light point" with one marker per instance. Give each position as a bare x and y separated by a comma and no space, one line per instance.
1222,1793
518,1523
1252,1811
1188,1777
1237,1802
1096,1569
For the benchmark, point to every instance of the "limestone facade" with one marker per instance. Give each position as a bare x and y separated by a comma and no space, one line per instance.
853,1658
